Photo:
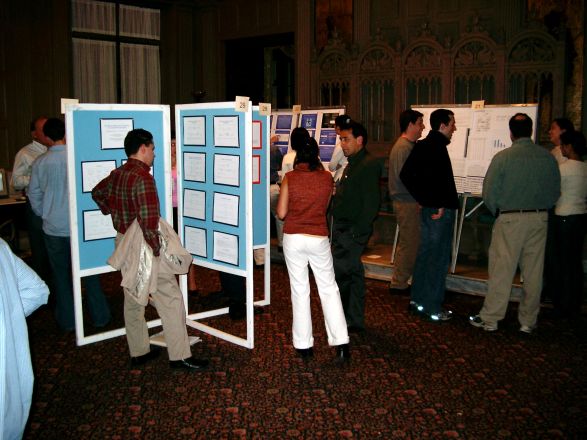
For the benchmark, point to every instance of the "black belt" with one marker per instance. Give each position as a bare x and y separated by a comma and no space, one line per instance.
520,211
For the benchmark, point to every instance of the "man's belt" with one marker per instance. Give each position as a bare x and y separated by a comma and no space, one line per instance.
521,211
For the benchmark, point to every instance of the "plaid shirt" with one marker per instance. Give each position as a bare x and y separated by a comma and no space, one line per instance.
129,192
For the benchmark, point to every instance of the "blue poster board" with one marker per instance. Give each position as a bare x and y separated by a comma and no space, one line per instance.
91,154
260,186
214,184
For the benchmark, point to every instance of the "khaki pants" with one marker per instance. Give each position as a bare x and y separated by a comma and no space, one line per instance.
408,219
517,238
170,306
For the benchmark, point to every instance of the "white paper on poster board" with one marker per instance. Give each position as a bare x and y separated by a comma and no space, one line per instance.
97,226
194,167
226,169
194,204
256,169
226,131
225,208
195,241
257,134
194,130
226,247
94,172
113,132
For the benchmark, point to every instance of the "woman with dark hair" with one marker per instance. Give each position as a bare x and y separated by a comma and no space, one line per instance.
303,201
558,127
569,225
299,137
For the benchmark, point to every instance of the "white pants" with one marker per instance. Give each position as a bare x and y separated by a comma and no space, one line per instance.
299,250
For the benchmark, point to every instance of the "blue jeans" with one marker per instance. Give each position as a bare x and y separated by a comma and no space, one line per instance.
59,251
433,260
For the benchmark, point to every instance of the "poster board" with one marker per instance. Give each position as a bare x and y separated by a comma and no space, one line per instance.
95,138
481,133
319,123
215,196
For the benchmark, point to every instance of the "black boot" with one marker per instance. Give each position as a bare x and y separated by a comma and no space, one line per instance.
343,352
305,353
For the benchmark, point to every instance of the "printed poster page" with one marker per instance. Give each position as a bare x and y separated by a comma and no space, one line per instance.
113,132
226,208
194,204
195,241
226,248
226,131
97,226
94,172
194,130
226,169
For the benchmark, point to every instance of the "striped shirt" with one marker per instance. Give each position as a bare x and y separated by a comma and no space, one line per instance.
129,192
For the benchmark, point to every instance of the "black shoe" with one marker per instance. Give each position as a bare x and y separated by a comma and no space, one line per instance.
190,363
343,351
305,353
143,359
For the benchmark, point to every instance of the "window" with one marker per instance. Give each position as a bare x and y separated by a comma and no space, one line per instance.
115,53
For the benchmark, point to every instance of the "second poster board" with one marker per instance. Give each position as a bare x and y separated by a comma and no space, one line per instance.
481,134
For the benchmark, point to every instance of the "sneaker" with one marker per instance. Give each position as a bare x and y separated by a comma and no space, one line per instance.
443,315
415,308
476,321
527,329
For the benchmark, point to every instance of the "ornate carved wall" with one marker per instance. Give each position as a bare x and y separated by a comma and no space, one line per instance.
501,57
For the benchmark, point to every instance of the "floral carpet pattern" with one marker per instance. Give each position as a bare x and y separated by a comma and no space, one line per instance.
407,379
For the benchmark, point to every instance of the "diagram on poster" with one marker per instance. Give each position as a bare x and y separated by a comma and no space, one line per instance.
226,248
93,172
226,131
226,169
195,241
194,167
194,204
194,131
113,132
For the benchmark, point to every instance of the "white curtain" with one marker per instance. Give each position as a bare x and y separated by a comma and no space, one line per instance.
139,22
139,65
93,16
95,60
94,71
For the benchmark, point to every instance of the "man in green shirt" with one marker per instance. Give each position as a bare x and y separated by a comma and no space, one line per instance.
354,207
520,186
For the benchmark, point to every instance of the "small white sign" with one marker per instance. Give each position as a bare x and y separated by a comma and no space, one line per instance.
67,101
297,109
241,104
477,105
264,109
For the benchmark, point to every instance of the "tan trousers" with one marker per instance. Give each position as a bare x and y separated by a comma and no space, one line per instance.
517,238
170,306
408,218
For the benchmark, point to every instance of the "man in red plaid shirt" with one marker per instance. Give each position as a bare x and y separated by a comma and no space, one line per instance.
129,192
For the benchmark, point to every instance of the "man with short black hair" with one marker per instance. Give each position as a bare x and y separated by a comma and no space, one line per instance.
129,193
405,207
354,207
428,176
49,197
520,186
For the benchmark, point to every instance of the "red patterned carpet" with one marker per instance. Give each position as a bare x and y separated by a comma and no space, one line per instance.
408,379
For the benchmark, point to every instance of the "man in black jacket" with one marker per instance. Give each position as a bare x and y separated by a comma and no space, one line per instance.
428,176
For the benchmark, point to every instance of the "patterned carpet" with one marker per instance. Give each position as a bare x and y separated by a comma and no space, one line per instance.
408,379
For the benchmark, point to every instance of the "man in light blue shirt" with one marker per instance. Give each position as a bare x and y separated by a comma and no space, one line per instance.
21,293
49,197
